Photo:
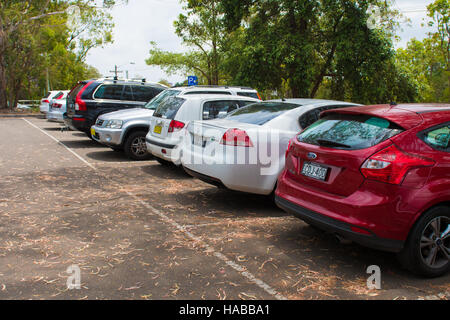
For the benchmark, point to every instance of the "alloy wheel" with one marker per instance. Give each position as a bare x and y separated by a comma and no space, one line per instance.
435,243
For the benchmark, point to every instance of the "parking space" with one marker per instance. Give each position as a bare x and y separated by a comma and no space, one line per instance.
139,230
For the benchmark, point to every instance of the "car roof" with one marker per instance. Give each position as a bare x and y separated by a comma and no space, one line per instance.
307,101
216,97
404,115
214,88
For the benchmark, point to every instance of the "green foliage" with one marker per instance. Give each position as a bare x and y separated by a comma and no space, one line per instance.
202,31
36,40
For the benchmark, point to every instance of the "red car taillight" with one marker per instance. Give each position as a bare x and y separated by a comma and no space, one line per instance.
175,126
45,101
390,165
56,105
80,104
237,138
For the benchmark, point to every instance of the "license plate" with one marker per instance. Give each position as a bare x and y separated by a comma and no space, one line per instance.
315,171
93,133
158,129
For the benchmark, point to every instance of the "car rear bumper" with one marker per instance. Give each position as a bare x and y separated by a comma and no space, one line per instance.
55,116
109,137
339,227
162,150
78,123
240,176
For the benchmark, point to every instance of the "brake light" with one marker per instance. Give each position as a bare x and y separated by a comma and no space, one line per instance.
288,148
175,126
56,105
236,138
45,101
390,165
80,105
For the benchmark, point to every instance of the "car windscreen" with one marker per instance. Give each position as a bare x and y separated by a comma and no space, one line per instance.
154,103
261,113
169,107
349,132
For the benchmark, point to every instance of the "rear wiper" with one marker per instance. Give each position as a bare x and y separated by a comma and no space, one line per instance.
327,143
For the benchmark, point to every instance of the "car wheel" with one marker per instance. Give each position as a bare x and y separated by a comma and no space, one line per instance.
135,147
90,136
427,250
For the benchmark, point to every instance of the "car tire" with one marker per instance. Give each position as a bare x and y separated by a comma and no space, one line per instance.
428,244
135,147
90,136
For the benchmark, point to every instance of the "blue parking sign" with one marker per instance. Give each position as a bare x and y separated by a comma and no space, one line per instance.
192,81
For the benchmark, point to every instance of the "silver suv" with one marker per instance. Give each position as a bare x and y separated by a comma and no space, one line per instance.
126,129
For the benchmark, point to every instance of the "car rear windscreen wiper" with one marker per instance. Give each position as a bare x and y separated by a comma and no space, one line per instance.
327,143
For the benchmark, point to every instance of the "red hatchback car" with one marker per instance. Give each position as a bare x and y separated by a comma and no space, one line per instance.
377,175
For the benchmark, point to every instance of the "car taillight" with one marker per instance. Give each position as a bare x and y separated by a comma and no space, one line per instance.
391,165
45,101
175,126
80,104
288,148
237,138
56,105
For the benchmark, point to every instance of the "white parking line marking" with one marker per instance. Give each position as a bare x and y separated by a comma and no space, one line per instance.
240,269
60,143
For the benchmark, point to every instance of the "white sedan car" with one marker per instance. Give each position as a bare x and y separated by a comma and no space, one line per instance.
174,113
246,150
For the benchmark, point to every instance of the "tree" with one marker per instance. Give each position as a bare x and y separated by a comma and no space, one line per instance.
23,24
302,46
439,11
202,31
427,62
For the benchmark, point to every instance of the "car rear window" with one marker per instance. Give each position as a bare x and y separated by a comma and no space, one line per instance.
74,92
154,103
248,94
169,107
261,113
350,132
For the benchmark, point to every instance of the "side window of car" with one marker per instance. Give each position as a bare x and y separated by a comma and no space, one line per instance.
218,109
312,116
309,118
244,103
127,94
145,93
438,138
110,92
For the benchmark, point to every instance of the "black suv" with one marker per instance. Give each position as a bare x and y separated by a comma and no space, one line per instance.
90,99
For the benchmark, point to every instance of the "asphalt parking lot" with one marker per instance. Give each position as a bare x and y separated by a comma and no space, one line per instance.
146,231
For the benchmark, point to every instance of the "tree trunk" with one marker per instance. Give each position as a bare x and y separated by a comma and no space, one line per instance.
3,97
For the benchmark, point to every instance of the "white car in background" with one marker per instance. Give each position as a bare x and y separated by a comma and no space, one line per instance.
246,150
58,108
174,113
45,102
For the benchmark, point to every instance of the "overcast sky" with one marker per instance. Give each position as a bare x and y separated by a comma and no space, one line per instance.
142,21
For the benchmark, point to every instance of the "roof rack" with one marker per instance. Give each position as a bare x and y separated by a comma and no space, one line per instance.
215,87
135,80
